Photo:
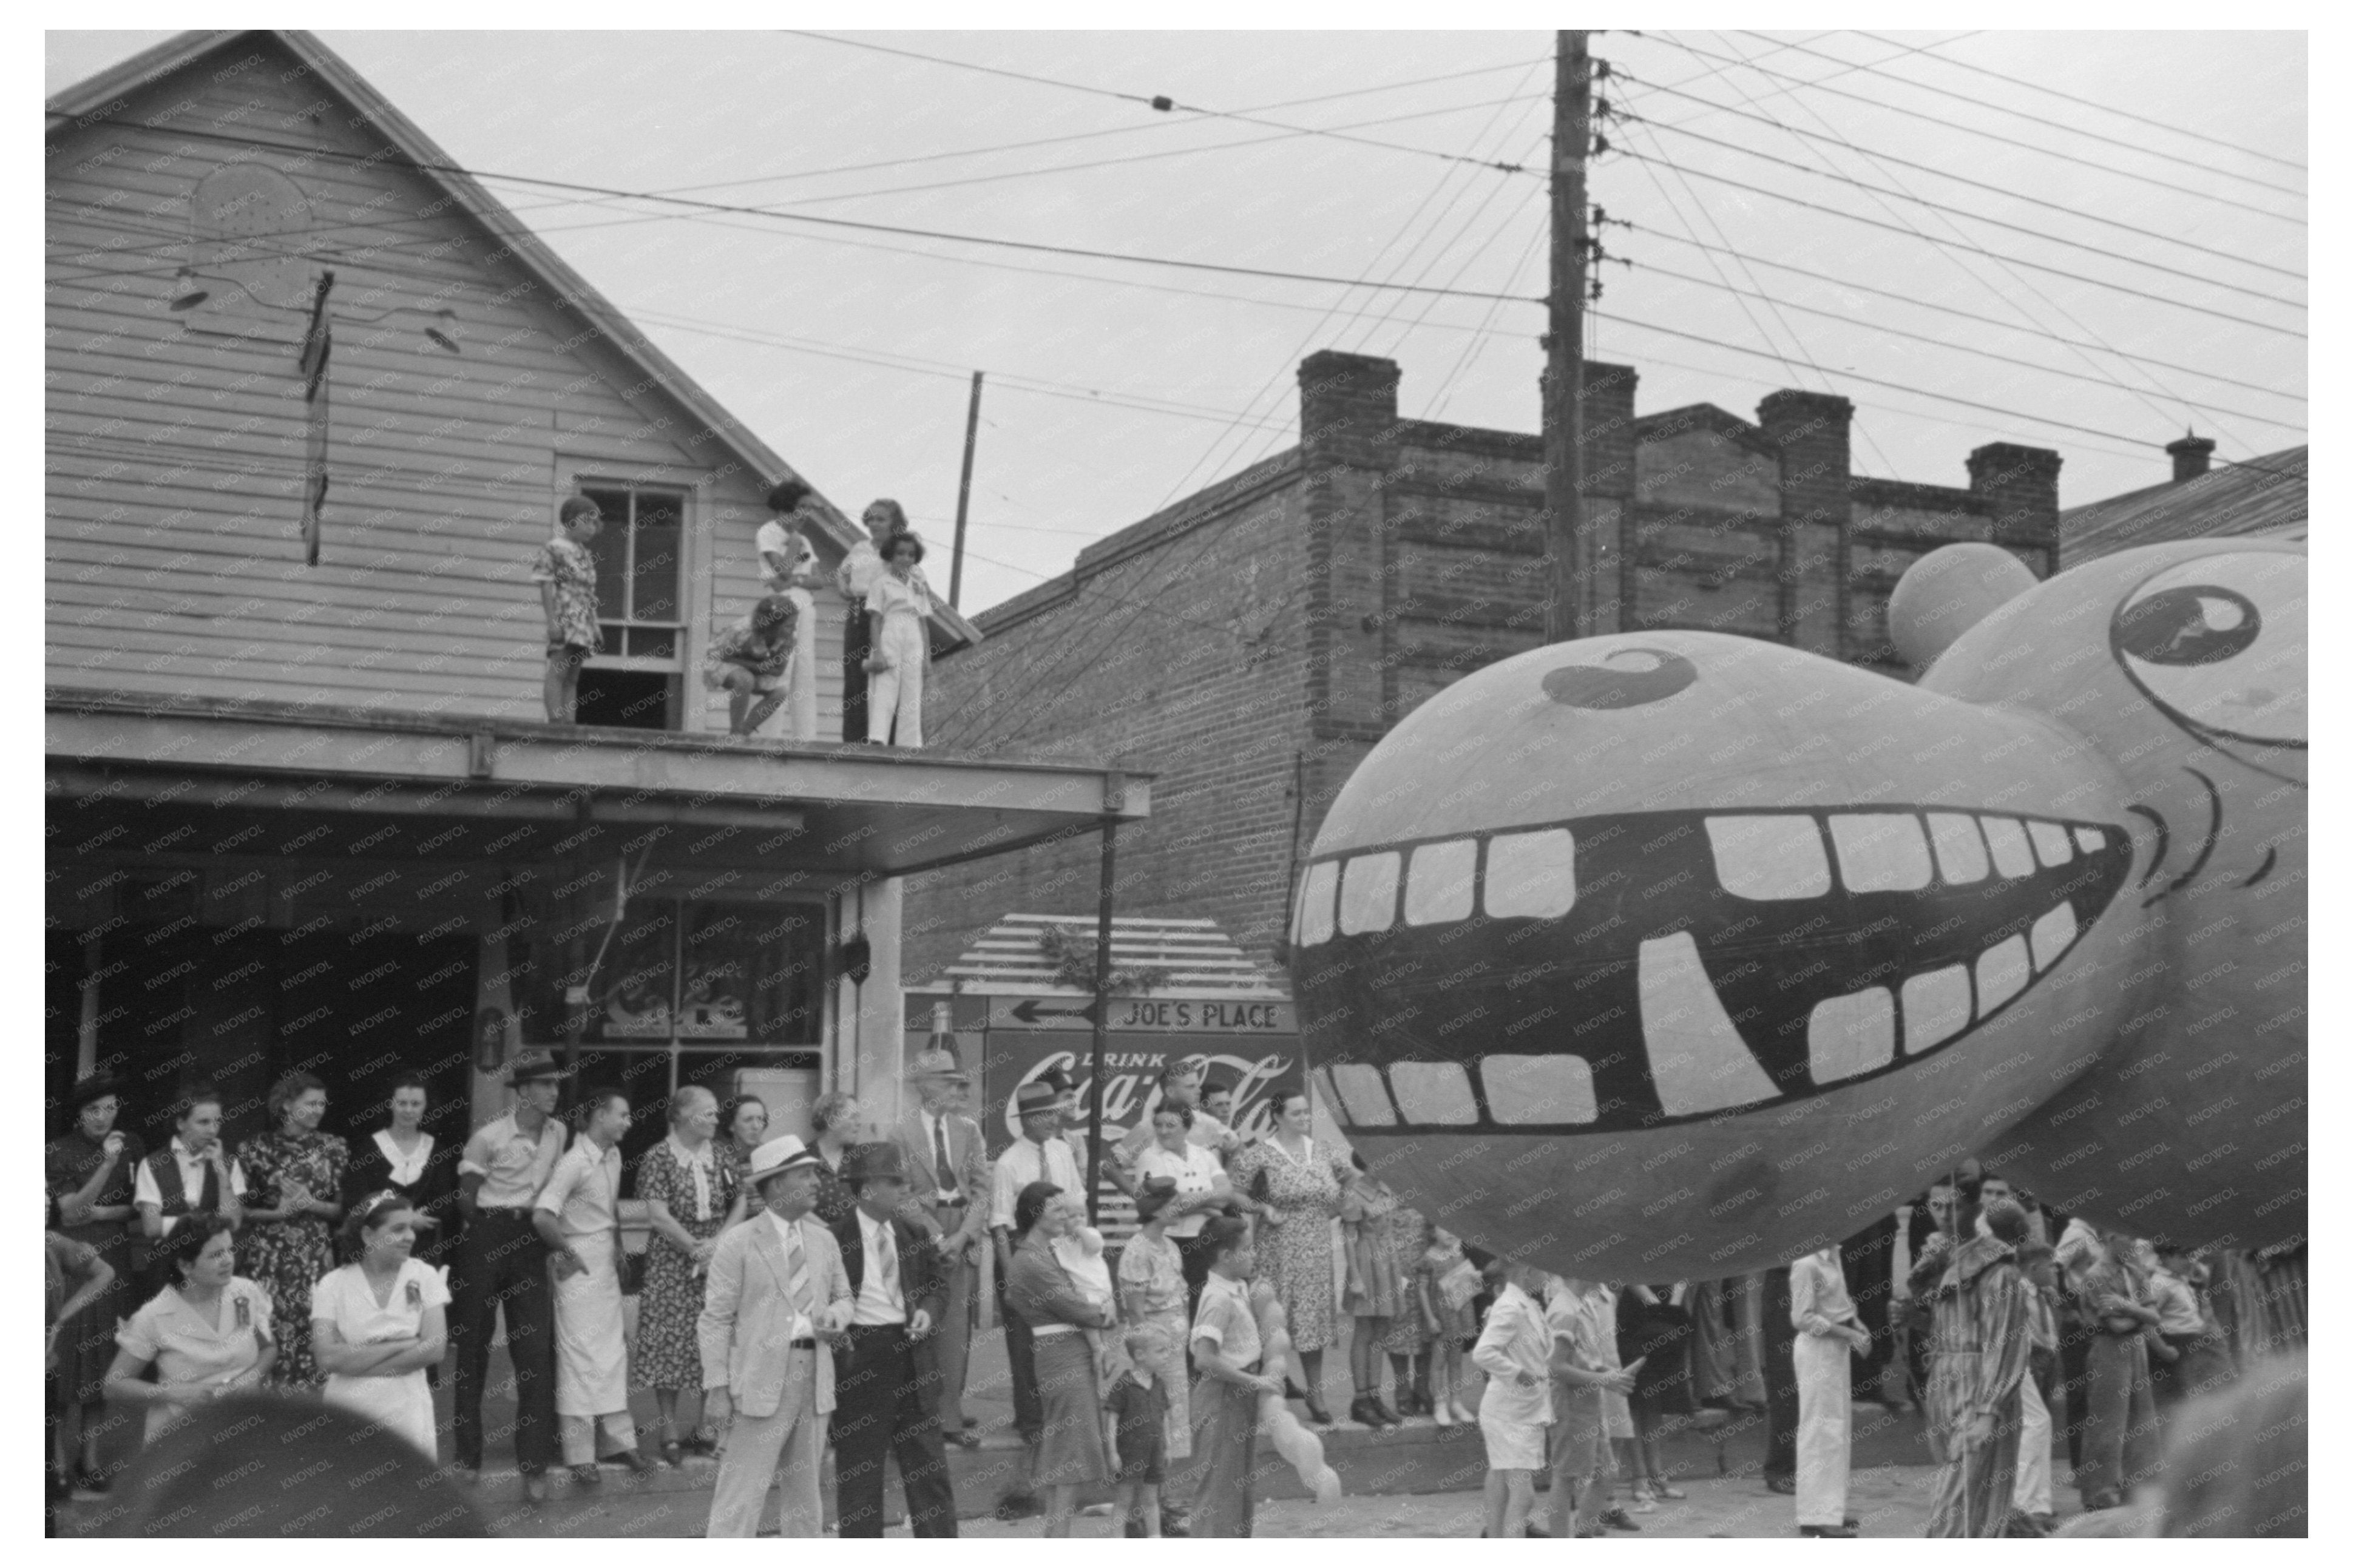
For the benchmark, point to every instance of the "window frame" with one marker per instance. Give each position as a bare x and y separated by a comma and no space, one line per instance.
628,623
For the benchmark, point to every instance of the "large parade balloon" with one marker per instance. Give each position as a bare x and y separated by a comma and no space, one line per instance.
1672,954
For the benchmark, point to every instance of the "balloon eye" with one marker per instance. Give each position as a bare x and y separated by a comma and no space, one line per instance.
2197,624
1648,675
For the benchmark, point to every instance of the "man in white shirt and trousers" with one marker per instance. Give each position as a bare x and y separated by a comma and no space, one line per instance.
1829,1335
578,1214
776,1300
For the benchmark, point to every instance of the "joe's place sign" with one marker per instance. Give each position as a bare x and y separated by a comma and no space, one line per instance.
1147,1014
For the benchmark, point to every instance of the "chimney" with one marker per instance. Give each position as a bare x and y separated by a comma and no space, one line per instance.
2018,489
1608,454
1811,429
2191,456
1347,407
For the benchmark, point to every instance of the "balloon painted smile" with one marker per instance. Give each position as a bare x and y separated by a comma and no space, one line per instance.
1670,965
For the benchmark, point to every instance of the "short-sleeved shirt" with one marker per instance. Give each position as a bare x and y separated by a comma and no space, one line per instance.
513,1165
1207,1133
859,569
740,646
889,597
775,539
583,1191
1025,1163
146,1190
568,564
199,1348
2177,1304
345,1300
1225,1322
1139,1427
1196,1170
1573,1317
1155,1273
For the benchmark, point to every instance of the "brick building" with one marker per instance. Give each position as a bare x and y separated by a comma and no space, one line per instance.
1250,643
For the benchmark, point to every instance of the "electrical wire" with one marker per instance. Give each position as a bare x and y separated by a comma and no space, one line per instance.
2240,258
2171,187
1928,52
2048,124
1974,249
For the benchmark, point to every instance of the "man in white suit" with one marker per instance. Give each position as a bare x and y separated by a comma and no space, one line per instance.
948,1195
776,1300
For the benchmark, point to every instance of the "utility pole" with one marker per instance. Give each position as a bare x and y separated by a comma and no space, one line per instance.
963,494
1568,554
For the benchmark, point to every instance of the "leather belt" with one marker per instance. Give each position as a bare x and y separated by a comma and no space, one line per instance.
803,1345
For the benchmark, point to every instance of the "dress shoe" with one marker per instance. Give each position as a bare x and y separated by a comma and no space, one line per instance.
637,1461
1829,1532
673,1453
1535,1532
1360,1411
585,1475
965,1437
1785,1485
1619,1519
534,1488
1014,1507
1315,1410
1386,1417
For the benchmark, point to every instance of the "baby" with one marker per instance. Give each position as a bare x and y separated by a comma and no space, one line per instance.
1080,1250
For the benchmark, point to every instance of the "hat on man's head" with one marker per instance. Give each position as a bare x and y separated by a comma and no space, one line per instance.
1034,1099
936,1064
1155,1195
1057,1079
531,1065
778,1155
879,1162
96,1086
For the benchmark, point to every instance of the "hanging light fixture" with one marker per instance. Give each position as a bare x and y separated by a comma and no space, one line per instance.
188,293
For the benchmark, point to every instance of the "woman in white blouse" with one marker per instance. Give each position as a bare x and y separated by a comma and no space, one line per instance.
1203,1190
407,1160
205,1334
378,1322
899,608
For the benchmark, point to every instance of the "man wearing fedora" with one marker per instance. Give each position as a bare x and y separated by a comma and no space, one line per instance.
885,1394
1041,1155
775,1303
946,1160
503,1261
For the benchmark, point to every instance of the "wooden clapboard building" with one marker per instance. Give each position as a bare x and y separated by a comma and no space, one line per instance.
313,398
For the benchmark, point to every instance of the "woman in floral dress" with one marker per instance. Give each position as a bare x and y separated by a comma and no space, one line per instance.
1300,1186
294,1197
690,1196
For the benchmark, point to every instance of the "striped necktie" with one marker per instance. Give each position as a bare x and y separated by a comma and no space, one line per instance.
797,1283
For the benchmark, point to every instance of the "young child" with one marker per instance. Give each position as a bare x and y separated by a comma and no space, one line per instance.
1080,1250
566,574
1135,1415
1515,1350
751,661
1444,1285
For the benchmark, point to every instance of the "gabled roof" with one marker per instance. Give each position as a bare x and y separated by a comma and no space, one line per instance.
96,100
1703,416
2265,496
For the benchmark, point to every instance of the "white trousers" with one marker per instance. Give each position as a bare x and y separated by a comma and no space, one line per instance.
898,691
795,1436
1825,1422
2031,1494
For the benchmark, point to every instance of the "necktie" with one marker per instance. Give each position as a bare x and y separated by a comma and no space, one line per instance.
796,1272
890,1261
943,1172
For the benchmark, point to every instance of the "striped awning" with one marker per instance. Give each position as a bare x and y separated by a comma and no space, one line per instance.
1186,958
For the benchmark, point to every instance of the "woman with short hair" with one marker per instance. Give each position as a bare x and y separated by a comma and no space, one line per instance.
898,613
1070,1452
744,1127
690,1196
1203,1190
289,1241
836,1122
90,1172
402,1157
205,1332
1299,1185
378,1322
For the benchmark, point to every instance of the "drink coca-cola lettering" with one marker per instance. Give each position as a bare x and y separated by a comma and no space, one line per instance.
1131,1083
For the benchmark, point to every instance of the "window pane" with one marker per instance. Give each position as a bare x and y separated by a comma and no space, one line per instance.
1524,1091
635,987
1438,1093
1358,1093
654,570
1368,893
787,949
646,642
1315,903
1531,873
611,549
1438,884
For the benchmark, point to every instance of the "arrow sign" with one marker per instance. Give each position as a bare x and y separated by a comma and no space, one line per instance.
1048,1015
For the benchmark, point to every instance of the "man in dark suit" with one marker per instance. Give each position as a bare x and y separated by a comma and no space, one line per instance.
946,1162
885,1399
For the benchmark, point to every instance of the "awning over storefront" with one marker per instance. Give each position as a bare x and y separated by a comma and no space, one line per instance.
194,775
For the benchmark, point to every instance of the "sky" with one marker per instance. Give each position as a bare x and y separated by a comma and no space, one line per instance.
2088,241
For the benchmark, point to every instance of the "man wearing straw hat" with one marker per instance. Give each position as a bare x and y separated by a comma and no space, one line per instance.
776,1300
946,1160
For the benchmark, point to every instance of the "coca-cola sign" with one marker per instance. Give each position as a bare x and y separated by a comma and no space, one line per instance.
1131,1065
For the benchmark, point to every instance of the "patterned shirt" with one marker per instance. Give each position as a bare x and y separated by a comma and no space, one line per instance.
740,646
567,564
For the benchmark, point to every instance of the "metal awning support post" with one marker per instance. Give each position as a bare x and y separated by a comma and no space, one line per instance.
1101,1023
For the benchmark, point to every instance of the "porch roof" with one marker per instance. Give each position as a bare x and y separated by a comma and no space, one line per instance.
426,786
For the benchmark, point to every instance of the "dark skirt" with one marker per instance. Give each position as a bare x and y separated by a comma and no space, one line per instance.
1072,1451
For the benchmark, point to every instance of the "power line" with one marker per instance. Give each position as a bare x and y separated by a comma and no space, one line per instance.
1973,249
2171,187
1165,104
1947,309
2037,119
2238,257
1928,52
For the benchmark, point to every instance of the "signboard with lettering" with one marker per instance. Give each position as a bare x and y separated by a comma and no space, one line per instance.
1145,1013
